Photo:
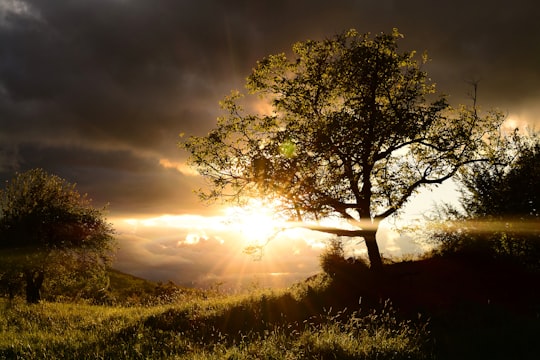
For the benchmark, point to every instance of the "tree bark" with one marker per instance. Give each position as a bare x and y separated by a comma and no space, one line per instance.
34,280
374,254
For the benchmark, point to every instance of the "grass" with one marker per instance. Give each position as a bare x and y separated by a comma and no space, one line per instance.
56,330
476,309
222,327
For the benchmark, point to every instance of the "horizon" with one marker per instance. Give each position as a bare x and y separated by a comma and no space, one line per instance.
98,91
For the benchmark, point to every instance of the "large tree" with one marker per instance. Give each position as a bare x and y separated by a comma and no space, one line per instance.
355,129
47,226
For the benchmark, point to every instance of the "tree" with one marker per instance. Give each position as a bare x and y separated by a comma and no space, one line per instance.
356,129
500,207
47,226
506,188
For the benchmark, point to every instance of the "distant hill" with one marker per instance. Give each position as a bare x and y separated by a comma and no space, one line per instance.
127,289
121,281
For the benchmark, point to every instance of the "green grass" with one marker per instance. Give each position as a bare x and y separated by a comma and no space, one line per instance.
476,308
55,330
222,327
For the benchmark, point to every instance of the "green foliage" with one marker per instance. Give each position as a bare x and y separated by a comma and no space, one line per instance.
62,331
506,187
127,290
500,202
355,130
48,228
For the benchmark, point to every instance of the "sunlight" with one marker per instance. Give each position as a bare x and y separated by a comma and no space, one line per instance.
522,121
511,123
191,229
258,221
263,107
181,167
279,273
185,221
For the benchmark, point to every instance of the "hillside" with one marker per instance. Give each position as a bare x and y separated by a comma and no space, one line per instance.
126,289
451,307
477,307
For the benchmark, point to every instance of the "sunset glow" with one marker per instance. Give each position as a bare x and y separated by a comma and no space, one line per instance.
102,104
181,167
267,179
257,221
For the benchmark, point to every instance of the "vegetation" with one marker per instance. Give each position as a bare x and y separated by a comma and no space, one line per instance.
352,134
265,325
48,231
475,310
499,215
129,290
446,305
355,130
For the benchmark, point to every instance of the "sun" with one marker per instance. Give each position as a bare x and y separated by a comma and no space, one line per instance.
258,221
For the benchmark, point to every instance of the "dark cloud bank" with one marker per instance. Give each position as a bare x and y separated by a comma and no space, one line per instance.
97,91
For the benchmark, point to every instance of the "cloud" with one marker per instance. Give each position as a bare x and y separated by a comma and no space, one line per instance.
202,250
132,75
206,250
97,91
181,167
11,10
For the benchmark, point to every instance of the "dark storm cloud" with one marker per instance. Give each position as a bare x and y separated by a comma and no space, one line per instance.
127,182
103,71
98,90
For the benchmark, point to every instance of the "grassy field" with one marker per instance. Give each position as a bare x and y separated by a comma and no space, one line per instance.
441,308
222,327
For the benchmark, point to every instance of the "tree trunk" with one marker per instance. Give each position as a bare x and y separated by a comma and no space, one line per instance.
369,236
374,254
34,280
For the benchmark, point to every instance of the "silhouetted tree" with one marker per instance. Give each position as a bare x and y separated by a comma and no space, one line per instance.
354,130
46,226
508,187
500,207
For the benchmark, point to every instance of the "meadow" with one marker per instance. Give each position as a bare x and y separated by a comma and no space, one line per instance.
261,325
437,307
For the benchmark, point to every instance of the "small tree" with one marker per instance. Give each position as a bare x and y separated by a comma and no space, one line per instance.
500,206
47,226
508,186
355,130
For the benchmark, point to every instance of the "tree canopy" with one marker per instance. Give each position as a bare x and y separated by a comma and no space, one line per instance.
499,214
508,189
355,129
46,225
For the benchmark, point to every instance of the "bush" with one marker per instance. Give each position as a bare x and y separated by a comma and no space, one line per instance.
334,263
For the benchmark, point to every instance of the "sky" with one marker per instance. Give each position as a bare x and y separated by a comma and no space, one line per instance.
98,91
